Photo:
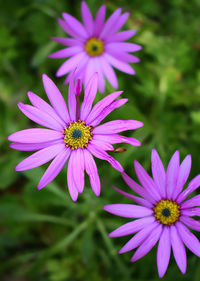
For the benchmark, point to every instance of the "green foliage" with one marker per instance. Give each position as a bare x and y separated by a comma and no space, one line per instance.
44,235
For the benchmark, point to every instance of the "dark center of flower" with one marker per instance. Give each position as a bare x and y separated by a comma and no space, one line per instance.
76,134
94,47
166,212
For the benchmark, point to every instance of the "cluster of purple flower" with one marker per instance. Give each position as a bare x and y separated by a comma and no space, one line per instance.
75,133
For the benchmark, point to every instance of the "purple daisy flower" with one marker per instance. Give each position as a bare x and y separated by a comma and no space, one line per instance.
163,212
96,46
75,134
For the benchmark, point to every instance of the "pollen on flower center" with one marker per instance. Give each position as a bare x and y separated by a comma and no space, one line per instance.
167,212
77,135
94,47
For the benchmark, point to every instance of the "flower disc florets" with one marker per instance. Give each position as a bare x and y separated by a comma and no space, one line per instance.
167,212
77,135
94,47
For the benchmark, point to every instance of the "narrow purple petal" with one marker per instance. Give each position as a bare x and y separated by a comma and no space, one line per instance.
121,21
136,199
91,170
188,239
33,146
117,126
89,96
121,55
106,111
56,98
75,25
67,41
69,29
193,185
101,80
163,252
146,181
110,23
72,99
178,249
77,159
126,47
54,168
172,174
89,70
101,105
39,117
109,72
158,172
192,212
70,181
87,18
40,157
99,20
193,202
67,52
121,36
183,175
105,156
70,64
122,66
35,135
100,143
128,210
132,227
190,222
148,244
44,106
139,238
115,138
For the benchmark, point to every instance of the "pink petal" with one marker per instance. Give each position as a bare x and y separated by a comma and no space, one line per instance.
148,244
72,99
121,36
110,23
188,239
99,20
109,72
89,70
54,168
121,55
87,18
56,98
191,223
100,143
101,80
163,252
128,210
39,117
172,174
132,227
67,41
183,175
40,157
193,185
89,96
125,47
35,136
114,138
122,19
122,66
158,172
75,25
69,29
70,181
33,146
91,170
77,159
192,212
193,202
117,126
67,52
178,249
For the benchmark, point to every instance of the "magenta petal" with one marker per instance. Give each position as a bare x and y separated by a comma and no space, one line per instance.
148,244
56,98
146,181
192,212
91,170
87,18
178,249
110,23
101,105
75,25
72,99
70,181
193,202
101,143
191,223
35,136
136,199
39,117
193,185
115,138
109,72
101,80
40,157
188,239
67,52
128,210
125,47
183,175
68,29
99,20
139,238
33,146
70,64
54,168
121,36
122,66
163,252
77,159
121,55
89,96
158,172
44,106
67,41
121,21
117,126
132,227
172,174
115,104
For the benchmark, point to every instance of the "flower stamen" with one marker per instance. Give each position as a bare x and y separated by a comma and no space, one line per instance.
94,47
167,212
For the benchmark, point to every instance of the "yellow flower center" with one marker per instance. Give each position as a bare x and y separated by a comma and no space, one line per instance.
94,47
77,135
167,212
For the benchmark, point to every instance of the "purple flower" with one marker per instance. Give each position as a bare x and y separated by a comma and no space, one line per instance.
96,46
163,212
75,134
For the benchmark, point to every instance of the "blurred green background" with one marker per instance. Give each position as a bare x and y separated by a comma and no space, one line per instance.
44,236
